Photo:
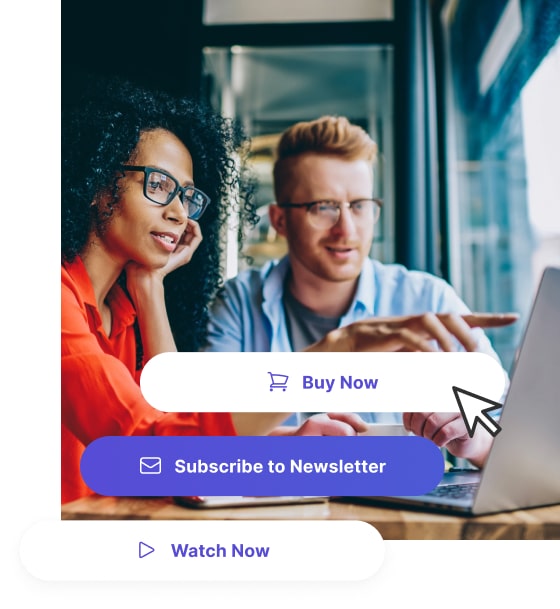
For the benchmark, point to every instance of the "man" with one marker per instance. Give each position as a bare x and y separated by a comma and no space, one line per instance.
327,294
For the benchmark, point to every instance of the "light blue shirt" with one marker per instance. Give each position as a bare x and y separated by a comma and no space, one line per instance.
249,316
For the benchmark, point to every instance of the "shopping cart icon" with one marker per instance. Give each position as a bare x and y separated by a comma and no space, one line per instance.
279,381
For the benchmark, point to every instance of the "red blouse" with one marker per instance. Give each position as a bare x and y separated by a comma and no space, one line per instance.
100,386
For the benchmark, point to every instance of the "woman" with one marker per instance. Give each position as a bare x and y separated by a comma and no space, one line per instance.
139,170
130,213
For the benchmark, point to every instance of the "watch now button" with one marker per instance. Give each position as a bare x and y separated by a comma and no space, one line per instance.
264,550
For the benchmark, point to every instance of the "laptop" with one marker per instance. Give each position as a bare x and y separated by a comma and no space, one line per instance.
523,466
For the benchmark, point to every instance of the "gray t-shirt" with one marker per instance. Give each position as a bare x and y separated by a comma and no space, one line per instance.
304,326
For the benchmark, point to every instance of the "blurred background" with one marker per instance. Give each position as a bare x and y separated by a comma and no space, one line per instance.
462,97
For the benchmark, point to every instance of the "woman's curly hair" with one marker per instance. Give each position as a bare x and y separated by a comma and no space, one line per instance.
101,131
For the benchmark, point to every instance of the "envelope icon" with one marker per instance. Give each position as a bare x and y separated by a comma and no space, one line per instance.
150,465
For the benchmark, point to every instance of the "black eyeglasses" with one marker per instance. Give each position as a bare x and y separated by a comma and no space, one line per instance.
161,187
325,214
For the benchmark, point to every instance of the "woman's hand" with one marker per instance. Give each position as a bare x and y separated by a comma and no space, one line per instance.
141,280
189,242
332,424
146,289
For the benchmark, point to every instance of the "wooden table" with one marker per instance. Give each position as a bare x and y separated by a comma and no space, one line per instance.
537,523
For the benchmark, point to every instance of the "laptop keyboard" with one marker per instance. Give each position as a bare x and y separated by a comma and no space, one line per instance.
455,491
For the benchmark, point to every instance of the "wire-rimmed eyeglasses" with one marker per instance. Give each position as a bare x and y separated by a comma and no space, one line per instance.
325,214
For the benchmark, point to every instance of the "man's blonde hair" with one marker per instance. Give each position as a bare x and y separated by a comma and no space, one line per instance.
328,135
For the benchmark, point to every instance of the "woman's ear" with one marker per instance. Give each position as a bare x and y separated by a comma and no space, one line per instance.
100,199
103,201
277,217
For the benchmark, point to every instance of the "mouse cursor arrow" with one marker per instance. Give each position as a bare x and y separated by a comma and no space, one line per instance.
473,411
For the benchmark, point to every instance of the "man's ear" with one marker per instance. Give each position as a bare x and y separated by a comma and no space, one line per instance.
277,217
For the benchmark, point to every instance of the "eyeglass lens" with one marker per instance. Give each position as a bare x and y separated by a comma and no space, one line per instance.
159,187
162,188
196,202
325,214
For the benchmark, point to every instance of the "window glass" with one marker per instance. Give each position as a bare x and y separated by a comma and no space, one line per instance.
503,177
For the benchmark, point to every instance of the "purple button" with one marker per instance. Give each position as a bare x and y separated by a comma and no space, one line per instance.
257,465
